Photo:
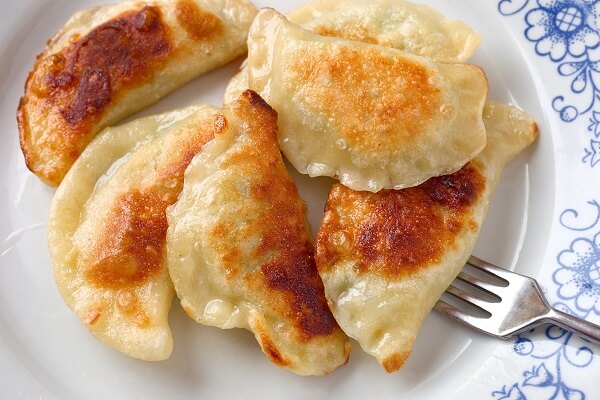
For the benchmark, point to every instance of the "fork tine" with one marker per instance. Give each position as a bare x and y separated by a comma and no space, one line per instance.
459,315
487,287
491,269
475,301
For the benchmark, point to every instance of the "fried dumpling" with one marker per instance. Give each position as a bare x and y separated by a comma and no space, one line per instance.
371,116
400,24
239,249
386,258
108,62
237,85
414,28
108,226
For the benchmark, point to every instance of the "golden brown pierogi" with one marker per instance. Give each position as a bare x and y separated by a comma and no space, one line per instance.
386,258
400,24
108,227
239,248
108,62
373,117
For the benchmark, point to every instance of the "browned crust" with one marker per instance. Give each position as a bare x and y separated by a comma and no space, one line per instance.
73,90
295,276
535,131
74,87
395,361
288,280
130,249
256,100
199,24
268,347
129,304
92,316
396,233
397,109
352,32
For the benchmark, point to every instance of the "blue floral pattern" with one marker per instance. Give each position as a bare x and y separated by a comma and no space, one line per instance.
568,33
545,378
579,275
578,279
561,27
592,154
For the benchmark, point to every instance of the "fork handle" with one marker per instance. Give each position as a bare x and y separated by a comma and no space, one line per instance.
578,326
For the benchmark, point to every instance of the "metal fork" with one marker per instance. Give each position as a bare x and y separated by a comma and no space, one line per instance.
507,304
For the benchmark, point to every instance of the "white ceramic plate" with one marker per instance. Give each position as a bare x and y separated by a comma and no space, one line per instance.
544,221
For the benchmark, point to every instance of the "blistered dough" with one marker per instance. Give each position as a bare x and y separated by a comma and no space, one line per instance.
403,25
386,258
373,117
415,28
108,62
239,248
107,228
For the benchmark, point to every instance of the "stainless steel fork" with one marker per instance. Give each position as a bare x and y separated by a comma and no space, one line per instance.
503,303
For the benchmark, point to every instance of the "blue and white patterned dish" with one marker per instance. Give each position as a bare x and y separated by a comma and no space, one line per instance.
565,36
542,55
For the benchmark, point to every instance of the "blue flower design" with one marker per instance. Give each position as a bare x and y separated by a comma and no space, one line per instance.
573,394
594,126
561,352
562,27
523,346
579,277
539,376
568,32
512,393
593,153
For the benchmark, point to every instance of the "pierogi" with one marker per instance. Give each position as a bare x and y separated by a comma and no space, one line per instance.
371,116
414,28
403,25
239,248
108,226
386,258
108,62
